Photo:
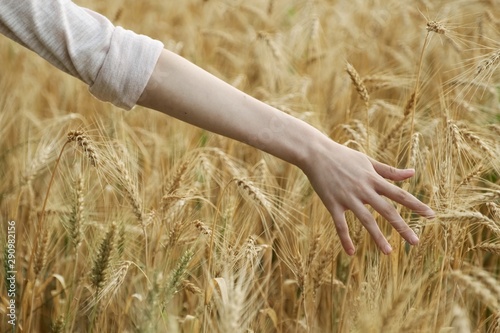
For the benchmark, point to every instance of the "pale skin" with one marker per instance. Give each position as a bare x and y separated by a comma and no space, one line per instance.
343,178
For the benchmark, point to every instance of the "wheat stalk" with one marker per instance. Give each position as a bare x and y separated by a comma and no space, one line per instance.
58,325
489,63
275,50
437,27
398,127
202,227
41,251
414,149
253,193
191,287
474,286
177,276
319,274
313,250
178,178
39,163
479,143
120,243
102,260
460,320
470,218
475,172
495,128
131,191
358,83
84,141
76,218
495,211
354,134
455,134
395,307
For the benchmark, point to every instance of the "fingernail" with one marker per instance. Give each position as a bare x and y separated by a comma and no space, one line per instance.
431,214
350,251
387,249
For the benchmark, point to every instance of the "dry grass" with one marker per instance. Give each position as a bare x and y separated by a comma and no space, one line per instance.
151,225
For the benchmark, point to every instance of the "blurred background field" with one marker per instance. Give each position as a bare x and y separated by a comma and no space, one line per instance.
152,225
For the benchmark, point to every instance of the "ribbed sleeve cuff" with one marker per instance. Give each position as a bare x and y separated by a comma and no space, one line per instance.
127,68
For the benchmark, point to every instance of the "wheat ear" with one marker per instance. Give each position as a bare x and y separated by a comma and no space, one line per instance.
358,83
102,260
490,62
86,144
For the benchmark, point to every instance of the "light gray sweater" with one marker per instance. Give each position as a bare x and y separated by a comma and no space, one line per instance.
114,62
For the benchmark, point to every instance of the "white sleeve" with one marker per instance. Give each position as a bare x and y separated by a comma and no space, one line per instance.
114,62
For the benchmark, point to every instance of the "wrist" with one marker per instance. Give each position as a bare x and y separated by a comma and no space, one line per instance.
315,145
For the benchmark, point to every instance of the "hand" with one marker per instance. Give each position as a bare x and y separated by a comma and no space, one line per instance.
346,179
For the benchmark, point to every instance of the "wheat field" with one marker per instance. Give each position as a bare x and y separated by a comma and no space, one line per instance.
131,221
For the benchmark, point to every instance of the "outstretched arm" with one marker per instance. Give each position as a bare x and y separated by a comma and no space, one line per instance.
117,65
343,178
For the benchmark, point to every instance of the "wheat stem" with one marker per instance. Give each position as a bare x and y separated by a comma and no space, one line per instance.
415,95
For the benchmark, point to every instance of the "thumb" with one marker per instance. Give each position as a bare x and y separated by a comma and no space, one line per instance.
390,172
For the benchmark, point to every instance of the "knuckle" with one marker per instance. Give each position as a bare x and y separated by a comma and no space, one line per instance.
341,228
389,212
365,217
400,226
402,196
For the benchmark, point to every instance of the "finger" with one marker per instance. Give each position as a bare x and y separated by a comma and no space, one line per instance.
366,218
343,232
390,172
399,195
392,216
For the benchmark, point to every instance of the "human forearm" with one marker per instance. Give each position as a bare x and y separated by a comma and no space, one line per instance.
182,90
343,178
